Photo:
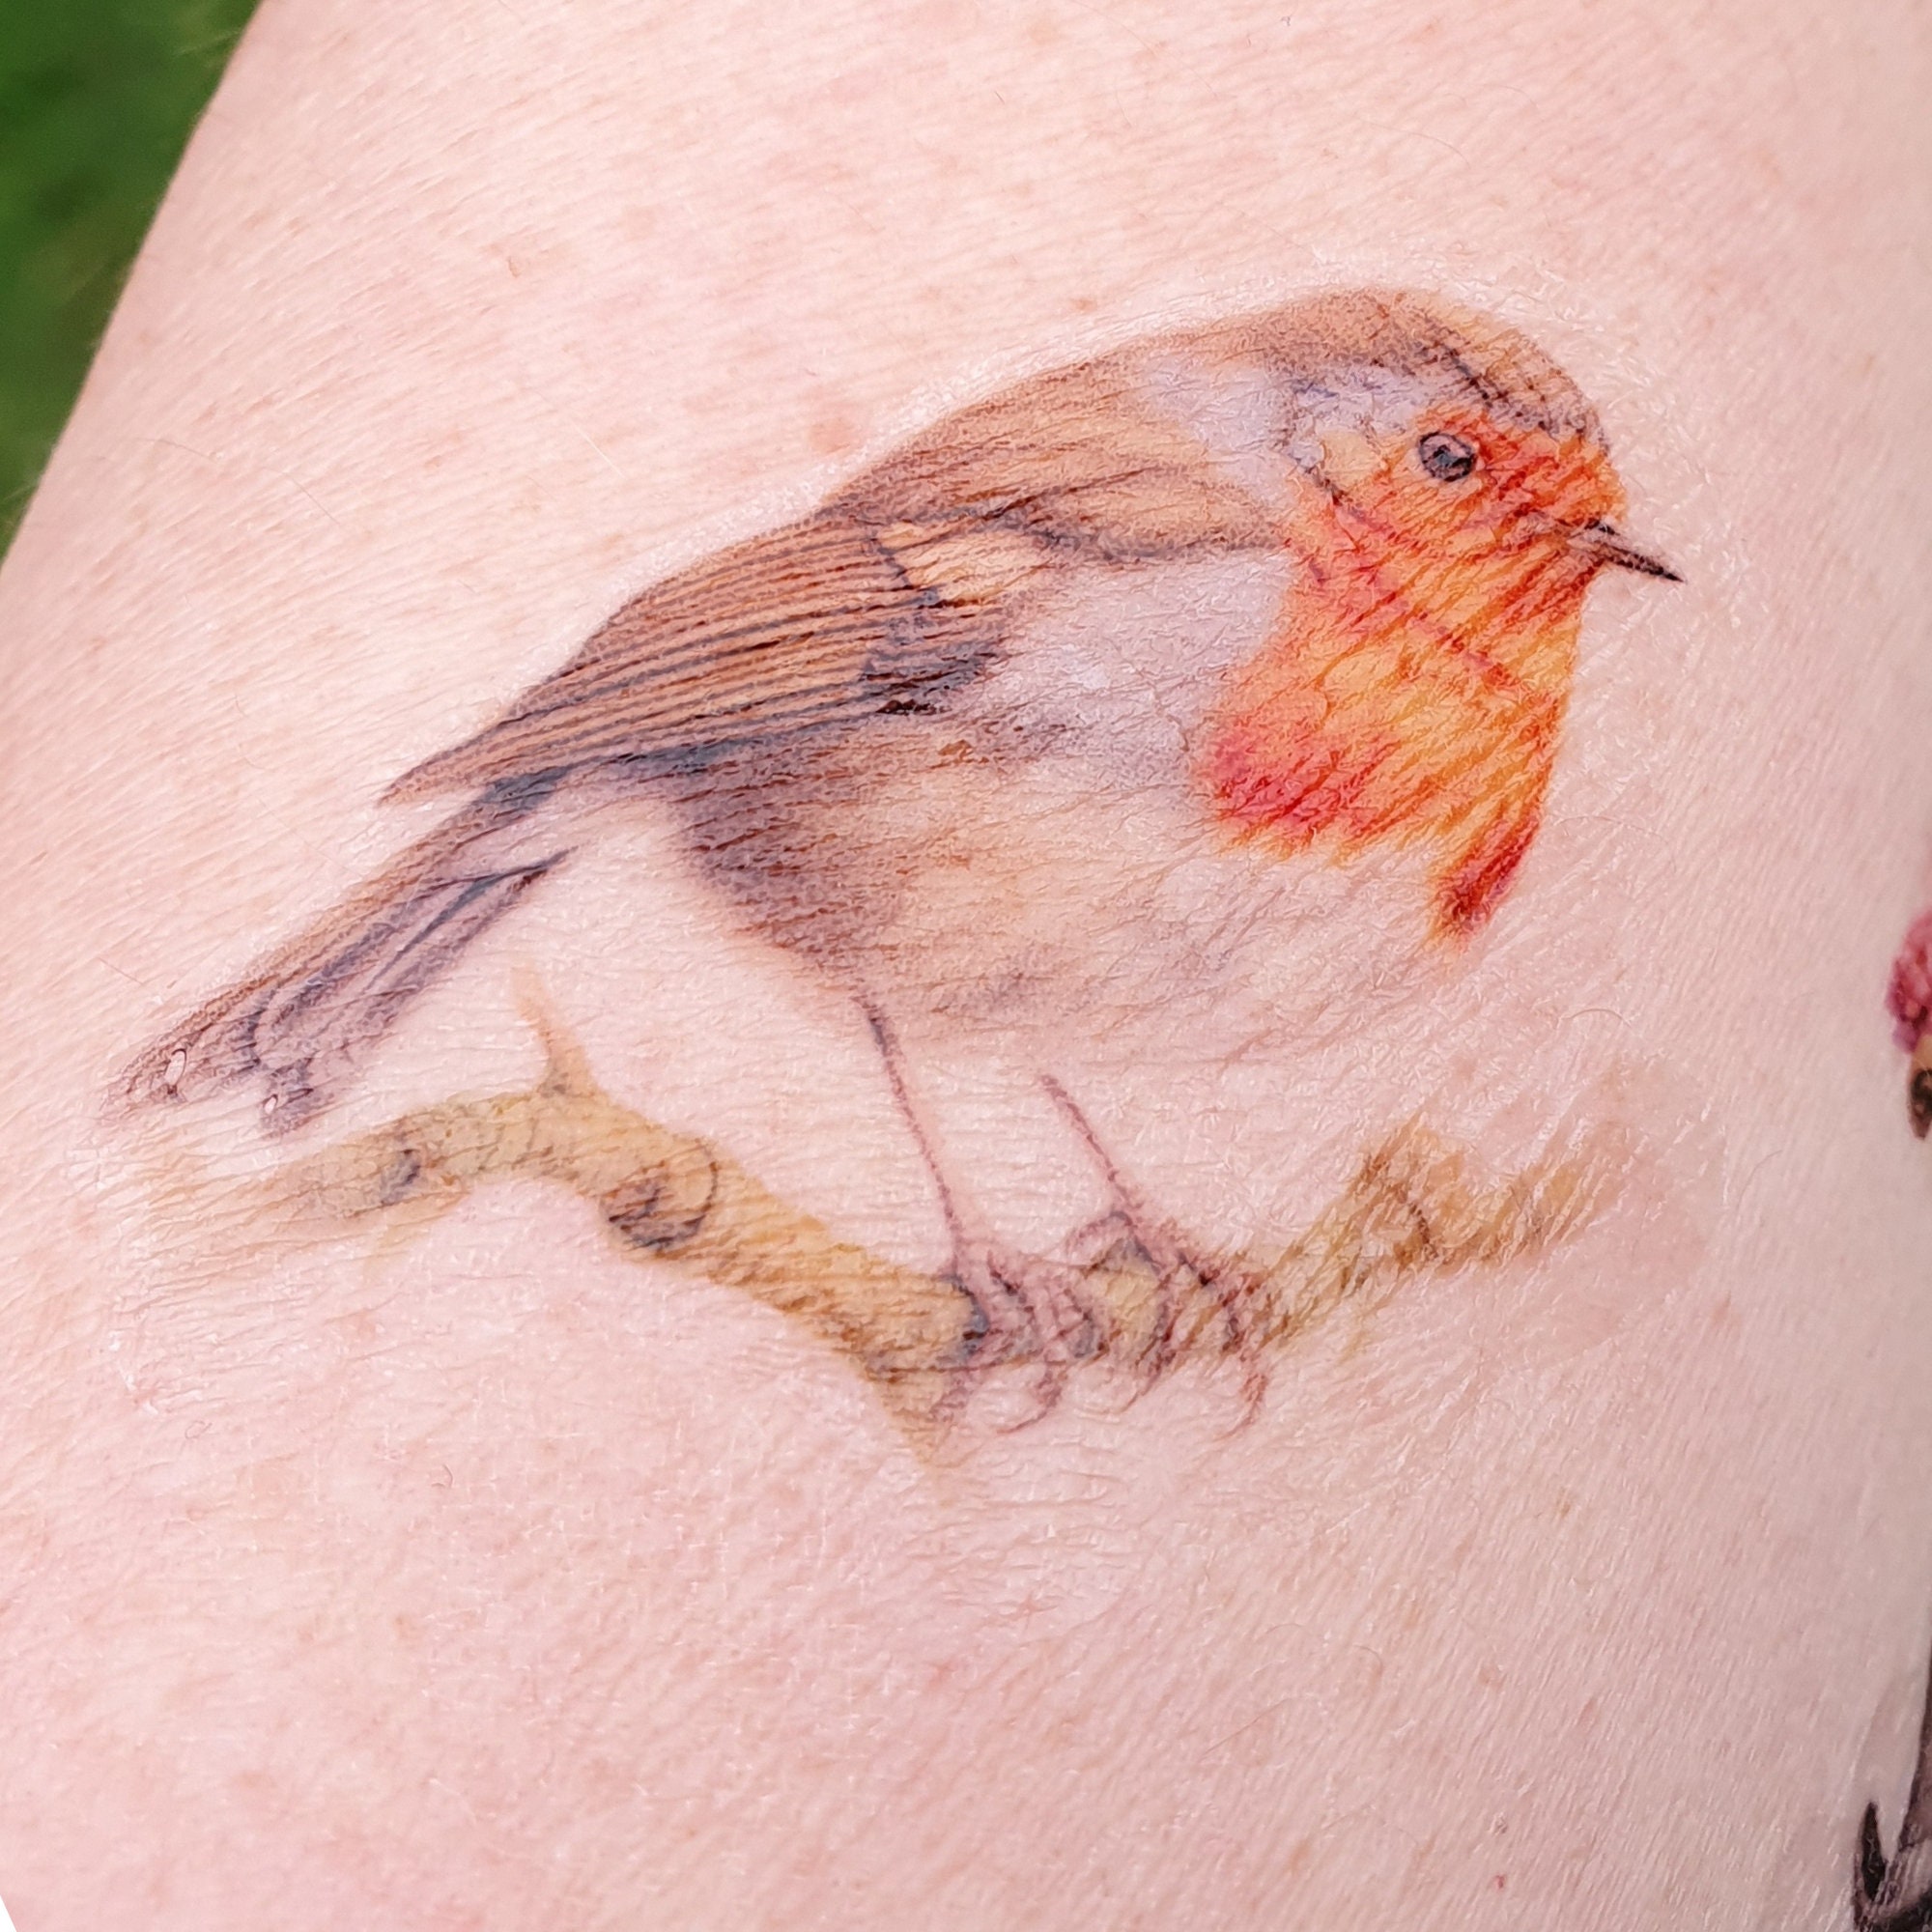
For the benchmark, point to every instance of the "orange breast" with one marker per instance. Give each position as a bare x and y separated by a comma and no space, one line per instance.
1403,696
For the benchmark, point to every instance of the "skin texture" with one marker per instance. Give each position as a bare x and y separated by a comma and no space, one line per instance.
480,1574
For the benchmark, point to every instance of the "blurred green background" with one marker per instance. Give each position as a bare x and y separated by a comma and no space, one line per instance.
97,98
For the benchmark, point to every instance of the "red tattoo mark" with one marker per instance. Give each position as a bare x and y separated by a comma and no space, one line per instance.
1909,1001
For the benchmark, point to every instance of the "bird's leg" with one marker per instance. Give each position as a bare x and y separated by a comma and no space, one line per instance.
1180,1272
1029,1307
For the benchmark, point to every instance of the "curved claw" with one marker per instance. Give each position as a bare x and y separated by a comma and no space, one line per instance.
1030,1310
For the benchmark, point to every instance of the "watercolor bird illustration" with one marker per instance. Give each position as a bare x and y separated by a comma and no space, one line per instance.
1223,670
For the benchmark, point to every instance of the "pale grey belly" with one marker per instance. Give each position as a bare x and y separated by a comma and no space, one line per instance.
1038,853
1030,892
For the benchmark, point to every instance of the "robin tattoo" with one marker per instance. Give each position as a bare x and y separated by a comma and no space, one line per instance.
1252,635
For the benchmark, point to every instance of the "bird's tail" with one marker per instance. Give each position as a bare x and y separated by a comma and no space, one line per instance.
298,1026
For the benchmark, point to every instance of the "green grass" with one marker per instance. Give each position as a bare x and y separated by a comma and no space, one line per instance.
97,98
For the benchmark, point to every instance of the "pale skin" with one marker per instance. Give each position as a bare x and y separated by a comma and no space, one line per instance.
472,1573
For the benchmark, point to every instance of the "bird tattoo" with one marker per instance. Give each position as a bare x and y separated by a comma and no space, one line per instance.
1223,670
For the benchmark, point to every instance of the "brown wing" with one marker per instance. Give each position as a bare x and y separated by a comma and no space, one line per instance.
1079,458
816,624
889,594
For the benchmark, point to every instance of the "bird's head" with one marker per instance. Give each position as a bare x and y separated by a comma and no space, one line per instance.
1463,485
1447,453
1449,497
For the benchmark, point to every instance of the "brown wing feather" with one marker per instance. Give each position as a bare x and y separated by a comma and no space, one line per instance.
1080,458
815,624
891,590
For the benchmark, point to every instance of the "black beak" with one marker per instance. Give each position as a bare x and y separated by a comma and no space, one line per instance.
1604,543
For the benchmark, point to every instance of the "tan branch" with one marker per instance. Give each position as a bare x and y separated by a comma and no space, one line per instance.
1411,1209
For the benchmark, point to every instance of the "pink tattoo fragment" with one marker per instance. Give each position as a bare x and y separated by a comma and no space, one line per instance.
1909,1001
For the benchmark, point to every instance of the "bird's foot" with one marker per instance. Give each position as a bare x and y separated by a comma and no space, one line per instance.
1198,1305
1031,1310
1115,1240
1193,1294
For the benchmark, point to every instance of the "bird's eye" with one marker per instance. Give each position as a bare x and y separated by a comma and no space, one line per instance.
1447,457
